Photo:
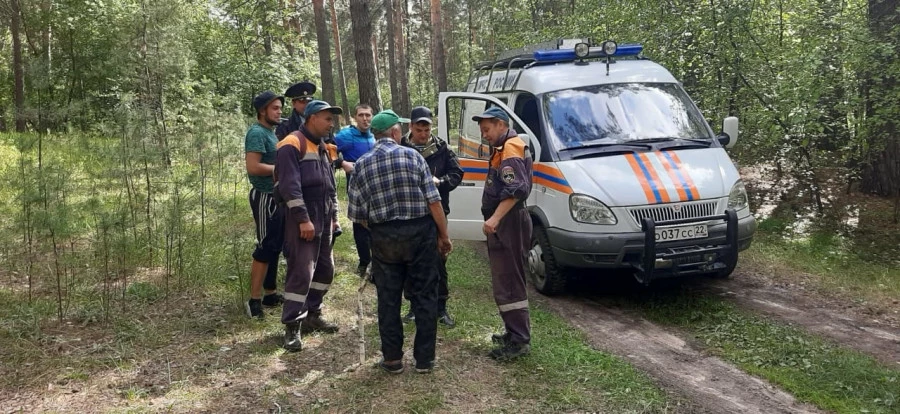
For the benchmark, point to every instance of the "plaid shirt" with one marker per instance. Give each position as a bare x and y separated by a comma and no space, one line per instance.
390,182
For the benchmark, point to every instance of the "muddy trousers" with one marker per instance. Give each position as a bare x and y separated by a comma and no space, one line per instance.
310,268
406,251
506,251
443,286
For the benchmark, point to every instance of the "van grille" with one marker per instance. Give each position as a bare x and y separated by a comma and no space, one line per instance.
667,212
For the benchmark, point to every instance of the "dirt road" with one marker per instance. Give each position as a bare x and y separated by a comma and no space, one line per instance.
708,382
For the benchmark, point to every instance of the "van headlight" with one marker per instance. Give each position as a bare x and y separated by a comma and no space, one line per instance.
586,209
737,198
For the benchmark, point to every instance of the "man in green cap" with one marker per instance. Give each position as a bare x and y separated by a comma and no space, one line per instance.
393,194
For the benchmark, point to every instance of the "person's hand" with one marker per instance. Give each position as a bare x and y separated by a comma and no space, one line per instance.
445,246
437,181
335,226
490,226
307,231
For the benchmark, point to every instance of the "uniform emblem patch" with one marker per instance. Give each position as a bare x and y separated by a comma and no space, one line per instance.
508,175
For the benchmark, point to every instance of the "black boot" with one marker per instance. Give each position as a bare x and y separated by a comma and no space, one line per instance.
292,341
444,317
315,323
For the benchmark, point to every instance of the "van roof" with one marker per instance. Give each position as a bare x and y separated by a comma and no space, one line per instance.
548,78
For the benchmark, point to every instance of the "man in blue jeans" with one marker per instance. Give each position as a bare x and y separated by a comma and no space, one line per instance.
259,157
353,141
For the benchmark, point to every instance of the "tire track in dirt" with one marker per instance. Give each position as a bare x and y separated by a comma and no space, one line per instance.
814,314
708,382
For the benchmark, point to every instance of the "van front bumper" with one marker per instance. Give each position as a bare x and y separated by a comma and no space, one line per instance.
626,250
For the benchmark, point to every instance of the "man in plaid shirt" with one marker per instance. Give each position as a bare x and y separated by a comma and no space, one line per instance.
393,194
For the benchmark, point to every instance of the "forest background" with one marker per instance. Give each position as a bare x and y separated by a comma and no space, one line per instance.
121,121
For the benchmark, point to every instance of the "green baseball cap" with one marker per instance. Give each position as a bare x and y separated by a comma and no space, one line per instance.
385,120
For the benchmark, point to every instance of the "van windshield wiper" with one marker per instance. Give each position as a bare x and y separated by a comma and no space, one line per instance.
679,142
613,146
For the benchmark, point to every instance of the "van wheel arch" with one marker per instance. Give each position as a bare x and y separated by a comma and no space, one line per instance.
548,277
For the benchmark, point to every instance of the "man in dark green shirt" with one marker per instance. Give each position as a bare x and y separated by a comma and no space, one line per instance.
259,150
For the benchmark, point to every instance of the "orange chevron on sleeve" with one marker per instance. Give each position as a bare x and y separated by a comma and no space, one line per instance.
332,151
513,148
291,140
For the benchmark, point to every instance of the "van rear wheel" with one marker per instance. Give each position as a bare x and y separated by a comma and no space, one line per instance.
548,278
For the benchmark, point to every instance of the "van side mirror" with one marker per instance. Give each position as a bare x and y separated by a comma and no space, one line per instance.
729,135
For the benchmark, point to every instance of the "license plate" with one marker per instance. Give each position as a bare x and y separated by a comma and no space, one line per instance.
694,231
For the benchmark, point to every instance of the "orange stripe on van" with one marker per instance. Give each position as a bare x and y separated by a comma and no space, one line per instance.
660,188
682,194
639,174
474,170
692,189
550,177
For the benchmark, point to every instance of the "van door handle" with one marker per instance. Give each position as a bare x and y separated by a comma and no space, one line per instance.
465,184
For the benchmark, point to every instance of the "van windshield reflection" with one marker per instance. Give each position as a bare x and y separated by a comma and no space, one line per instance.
599,116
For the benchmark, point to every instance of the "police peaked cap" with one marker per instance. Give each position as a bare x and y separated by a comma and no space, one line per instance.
303,89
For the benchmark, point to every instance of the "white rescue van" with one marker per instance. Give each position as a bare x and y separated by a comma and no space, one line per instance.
627,172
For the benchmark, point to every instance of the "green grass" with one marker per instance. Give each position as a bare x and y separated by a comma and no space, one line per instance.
811,369
174,339
563,372
857,269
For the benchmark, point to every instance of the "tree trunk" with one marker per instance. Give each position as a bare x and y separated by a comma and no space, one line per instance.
399,77
15,26
401,58
437,46
392,56
342,79
882,174
366,74
327,72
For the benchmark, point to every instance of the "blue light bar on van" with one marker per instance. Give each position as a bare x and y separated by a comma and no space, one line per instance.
564,55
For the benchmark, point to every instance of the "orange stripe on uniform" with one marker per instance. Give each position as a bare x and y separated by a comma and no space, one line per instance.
660,188
684,173
682,195
639,174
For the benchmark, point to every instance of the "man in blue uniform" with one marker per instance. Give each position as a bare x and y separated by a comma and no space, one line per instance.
508,229
304,183
300,94
447,174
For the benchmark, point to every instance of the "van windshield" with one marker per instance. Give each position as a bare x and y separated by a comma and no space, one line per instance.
621,113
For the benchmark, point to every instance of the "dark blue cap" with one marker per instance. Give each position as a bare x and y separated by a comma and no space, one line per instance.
301,90
420,114
492,112
264,99
315,106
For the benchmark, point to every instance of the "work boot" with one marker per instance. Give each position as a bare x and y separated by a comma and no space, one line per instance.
510,351
292,341
272,300
254,309
500,339
410,317
315,323
445,319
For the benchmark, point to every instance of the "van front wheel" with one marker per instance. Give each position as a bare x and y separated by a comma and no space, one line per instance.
547,276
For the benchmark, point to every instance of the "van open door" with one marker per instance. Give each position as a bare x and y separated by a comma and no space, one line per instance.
455,125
